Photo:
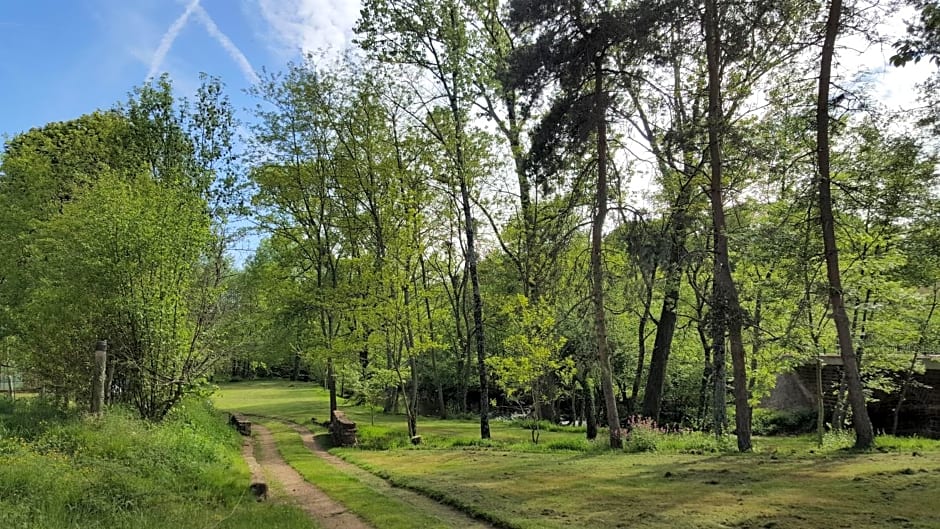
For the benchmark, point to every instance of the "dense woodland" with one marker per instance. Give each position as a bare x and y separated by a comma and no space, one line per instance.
444,218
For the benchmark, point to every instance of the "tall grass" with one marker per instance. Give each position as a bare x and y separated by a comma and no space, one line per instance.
59,469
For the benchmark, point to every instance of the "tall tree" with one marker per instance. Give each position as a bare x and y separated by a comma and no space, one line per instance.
121,244
576,41
432,37
864,433
726,313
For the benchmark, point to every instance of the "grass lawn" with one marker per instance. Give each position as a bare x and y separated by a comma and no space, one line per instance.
673,491
301,401
788,483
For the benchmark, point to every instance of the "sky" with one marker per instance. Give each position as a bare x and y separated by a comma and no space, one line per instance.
60,59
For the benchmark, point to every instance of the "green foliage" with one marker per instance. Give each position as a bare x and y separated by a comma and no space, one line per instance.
371,389
779,422
114,237
59,469
531,360
646,436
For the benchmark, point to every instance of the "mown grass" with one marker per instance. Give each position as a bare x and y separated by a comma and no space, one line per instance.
554,490
301,402
683,481
377,509
59,469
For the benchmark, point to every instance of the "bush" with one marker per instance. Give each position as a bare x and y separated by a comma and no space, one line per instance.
546,426
780,422
646,436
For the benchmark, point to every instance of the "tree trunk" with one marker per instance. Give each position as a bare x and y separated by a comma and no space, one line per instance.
331,385
597,265
864,434
641,358
295,370
477,305
442,408
101,376
841,408
726,309
820,403
413,400
668,315
590,410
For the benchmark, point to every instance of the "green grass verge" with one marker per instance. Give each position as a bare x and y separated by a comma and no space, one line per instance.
59,469
658,491
374,507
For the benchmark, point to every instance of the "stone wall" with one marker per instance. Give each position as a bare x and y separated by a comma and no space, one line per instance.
342,430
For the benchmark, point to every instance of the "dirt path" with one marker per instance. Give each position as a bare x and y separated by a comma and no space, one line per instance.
447,514
451,516
328,513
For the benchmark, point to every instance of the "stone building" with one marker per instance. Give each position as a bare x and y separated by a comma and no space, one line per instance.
796,390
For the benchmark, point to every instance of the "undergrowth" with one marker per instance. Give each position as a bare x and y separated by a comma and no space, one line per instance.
63,469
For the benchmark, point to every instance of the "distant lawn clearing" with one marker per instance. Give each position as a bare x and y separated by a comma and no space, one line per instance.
789,483
301,401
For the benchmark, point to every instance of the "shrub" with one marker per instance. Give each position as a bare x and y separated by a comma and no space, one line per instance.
643,436
780,422
646,436
546,426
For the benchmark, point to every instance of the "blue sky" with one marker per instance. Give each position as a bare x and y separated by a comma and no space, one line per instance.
63,58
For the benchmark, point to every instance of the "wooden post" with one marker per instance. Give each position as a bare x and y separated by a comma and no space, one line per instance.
10,387
331,382
820,403
98,385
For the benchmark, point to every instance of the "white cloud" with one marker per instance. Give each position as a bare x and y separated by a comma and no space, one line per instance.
895,88
302,26
168,38
166,43
230,47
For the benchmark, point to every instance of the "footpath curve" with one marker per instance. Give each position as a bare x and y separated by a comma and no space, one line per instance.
273,465
286,483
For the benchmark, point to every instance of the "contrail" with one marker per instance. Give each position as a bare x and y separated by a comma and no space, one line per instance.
233,51
168,38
